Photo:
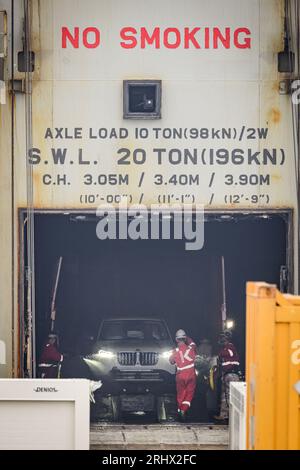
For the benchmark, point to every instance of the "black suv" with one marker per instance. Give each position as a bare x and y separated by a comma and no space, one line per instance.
131,357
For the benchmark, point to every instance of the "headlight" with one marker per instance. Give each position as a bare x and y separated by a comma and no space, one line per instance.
106,354
166,354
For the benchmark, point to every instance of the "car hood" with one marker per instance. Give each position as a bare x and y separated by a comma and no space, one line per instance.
134,345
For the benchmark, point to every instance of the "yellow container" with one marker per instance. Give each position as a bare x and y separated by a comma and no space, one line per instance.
272,368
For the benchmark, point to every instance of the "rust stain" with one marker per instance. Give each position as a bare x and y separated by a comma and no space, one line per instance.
274,116
37,189
276,177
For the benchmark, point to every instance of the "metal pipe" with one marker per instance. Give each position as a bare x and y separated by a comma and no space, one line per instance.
31,351
53,302
292,32
224,307
12,190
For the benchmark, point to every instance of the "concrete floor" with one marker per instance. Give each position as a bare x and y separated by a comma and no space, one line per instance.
158,437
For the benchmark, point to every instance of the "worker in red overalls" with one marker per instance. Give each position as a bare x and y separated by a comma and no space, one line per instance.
51,359
228,371
184,359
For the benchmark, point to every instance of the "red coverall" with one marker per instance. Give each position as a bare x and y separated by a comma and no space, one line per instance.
49,361
184,358
229,358
230,365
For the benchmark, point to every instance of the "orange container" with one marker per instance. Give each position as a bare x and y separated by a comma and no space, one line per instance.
272,368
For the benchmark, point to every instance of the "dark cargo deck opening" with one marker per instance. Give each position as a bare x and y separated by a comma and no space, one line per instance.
152,278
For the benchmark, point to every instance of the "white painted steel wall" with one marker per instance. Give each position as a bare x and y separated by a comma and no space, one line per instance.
201,88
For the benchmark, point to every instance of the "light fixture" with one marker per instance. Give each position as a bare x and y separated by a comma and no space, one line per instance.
229,324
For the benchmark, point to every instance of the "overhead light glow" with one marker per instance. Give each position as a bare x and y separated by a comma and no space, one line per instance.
229,324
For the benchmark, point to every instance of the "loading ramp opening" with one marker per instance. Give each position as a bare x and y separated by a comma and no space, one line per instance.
153,278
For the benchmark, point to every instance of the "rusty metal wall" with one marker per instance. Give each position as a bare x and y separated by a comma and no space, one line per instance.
6,323
236,89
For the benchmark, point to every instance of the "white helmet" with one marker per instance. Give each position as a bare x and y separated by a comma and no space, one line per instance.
180,334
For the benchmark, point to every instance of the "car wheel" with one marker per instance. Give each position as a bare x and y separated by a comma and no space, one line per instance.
166,408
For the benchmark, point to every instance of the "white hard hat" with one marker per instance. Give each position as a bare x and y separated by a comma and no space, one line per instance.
180,334
52,336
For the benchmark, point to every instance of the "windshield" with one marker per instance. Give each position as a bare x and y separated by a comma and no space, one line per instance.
133,329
